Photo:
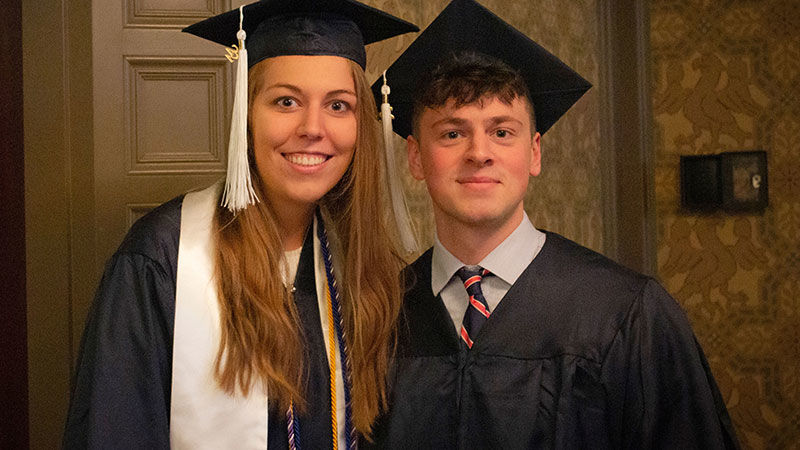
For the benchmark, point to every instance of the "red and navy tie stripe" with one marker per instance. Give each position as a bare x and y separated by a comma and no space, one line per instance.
478,310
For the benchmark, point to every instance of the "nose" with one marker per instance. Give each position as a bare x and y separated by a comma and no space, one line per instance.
479,150
311,123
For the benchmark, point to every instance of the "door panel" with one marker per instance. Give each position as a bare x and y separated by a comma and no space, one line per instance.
161,108
161,103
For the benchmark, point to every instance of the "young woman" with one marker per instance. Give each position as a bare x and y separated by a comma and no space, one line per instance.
258,315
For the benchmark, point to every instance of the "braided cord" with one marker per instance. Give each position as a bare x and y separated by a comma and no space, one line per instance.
335,334
332,368
336,309
293,427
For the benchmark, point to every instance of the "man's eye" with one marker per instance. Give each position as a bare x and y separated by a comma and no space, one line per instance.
502,133
453,134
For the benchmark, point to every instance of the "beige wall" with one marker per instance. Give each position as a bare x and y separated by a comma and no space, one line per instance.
726,77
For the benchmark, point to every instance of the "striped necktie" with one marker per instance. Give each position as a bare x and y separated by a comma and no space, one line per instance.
478,310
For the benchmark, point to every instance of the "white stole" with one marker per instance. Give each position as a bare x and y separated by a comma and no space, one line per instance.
202,416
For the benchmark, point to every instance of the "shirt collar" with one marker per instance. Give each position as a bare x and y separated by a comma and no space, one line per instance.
507,261
443,266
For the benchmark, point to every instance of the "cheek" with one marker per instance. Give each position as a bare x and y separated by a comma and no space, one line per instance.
519,170
270,131
343,134
440,163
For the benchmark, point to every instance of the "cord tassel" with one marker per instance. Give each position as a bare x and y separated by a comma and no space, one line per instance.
239,192
399,207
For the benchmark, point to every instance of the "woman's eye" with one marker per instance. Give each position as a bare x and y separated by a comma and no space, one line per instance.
340,106
286,102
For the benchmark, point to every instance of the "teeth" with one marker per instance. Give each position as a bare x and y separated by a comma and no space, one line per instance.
305,160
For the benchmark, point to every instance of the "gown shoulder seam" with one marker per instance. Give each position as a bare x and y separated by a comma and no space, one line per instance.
637,300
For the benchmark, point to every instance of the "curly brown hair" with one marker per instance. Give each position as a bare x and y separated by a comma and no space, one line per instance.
466,78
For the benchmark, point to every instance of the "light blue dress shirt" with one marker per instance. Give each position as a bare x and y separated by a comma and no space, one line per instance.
506,263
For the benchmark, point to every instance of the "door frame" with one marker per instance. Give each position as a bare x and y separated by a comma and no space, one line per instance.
630,232
59,230
13,321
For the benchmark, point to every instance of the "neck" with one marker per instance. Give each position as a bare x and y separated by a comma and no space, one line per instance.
471,242
293,222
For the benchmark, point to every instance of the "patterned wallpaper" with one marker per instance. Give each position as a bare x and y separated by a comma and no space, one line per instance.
570,159
726,77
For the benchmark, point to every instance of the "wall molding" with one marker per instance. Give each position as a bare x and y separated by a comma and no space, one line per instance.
630,230
59,209
143,71
140,15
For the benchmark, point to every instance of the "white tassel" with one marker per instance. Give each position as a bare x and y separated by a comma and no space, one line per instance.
239,192
401,215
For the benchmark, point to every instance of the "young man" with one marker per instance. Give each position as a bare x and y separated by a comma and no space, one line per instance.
512,337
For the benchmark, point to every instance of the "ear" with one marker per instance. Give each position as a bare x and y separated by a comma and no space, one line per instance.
536,154
414,158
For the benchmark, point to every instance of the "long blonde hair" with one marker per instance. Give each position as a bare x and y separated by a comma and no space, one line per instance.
261,339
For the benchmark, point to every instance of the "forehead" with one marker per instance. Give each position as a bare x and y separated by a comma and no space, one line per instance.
485,108
307,71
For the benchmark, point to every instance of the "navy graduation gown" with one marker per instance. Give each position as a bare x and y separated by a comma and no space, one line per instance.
580,353
122,385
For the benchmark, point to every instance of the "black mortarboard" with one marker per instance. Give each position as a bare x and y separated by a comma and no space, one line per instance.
303,27
466,26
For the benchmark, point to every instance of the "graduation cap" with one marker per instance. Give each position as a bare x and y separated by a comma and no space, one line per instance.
466,26
270,28
303,27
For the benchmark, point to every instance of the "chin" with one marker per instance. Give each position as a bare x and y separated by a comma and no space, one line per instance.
483,216
475,218
307,199
292,195
310,194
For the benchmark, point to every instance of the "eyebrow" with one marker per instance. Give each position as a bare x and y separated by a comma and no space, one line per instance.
342,91
456,121
290,87
492,121
503,119
296,89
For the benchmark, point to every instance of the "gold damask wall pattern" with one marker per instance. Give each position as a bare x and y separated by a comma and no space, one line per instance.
567,196
726,77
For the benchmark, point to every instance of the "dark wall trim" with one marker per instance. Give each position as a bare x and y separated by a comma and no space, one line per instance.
631,231
13,311
59,206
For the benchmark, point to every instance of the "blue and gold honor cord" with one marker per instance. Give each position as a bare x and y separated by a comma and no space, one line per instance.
335,334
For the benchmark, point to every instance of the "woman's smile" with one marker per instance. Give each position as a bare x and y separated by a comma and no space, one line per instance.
305,160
